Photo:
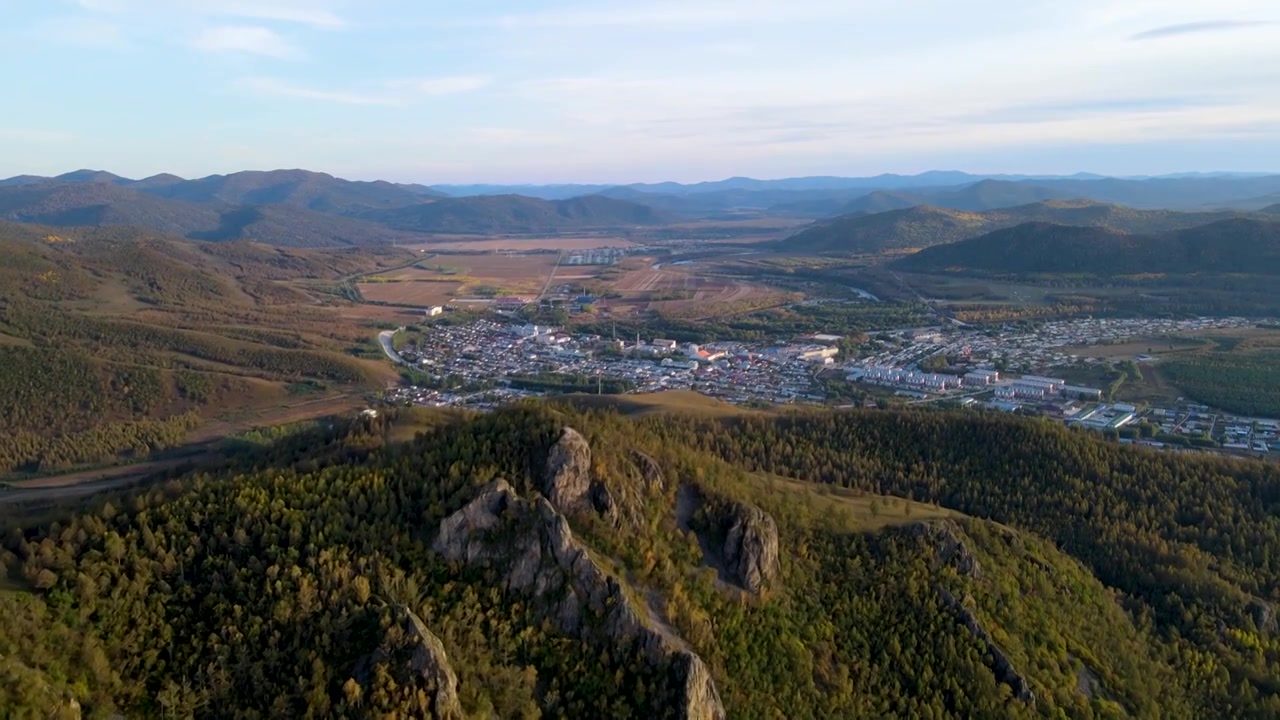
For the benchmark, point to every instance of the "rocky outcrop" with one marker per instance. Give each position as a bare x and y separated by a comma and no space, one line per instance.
947,540
414,655
566,479
530,546
751,546
1001,664
1263,614
650,471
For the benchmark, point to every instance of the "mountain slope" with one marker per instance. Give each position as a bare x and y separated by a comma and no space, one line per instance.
926,226
518,214
529,604
1271,209
299,188
1227,246
102,203
97,204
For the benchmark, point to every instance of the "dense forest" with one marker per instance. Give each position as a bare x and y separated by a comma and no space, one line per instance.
928,565
1246,383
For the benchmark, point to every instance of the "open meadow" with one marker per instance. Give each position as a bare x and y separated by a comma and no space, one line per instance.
440,278
470,243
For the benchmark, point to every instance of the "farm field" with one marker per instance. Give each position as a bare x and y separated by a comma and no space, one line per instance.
679,290
466,243
409,292
439,279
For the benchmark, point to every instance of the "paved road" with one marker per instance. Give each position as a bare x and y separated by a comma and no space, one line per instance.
385,339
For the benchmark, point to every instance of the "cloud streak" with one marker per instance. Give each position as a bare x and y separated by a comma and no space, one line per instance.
246,39
302,12
397,93
1197,28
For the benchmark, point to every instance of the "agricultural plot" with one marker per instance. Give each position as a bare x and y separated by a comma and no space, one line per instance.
440,279
465,243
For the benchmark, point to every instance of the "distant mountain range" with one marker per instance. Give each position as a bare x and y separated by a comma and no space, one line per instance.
1239,245
924,226
297,208
303,208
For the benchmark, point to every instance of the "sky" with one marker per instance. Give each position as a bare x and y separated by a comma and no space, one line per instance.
548,91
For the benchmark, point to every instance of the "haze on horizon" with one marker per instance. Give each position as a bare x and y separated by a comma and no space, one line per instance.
561,91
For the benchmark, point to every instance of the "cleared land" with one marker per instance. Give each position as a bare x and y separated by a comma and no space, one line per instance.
438,279
461,242
846,510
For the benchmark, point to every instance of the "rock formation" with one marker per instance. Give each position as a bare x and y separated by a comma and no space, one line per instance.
1001,665
1264,616
532,548
415,655
567,476
751,546
566,479
649,469
947,540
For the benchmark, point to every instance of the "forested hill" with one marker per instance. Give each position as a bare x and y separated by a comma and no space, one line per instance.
518,214
1228,246
100,204
852,564
115,343
925,226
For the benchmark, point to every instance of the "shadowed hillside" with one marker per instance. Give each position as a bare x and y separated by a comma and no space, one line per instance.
926,226
1227,246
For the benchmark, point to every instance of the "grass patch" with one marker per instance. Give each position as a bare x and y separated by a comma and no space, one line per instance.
681,401
845,510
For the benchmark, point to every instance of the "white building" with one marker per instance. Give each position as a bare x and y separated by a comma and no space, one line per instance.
434,310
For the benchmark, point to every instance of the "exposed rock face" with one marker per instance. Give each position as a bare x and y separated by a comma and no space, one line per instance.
1001,665
567,477
947,541
535,553
649,469
566,480
751,546
415,655
1264,616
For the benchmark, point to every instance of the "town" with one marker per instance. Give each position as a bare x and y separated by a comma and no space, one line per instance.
486,362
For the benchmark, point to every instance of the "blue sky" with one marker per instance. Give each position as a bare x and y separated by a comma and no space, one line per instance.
604,91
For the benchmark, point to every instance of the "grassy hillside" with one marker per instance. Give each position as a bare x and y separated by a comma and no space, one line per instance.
1229,246
926,226
118,342
931,565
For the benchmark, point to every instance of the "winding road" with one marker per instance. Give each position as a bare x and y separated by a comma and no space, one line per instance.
385,339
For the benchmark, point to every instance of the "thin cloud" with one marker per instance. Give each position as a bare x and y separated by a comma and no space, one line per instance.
34,135
1195,28
301,12
451,85
86,33
246,39
389,94
271,87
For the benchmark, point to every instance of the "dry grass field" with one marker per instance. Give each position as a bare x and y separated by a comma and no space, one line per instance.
471,244
408,292
438,279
